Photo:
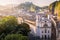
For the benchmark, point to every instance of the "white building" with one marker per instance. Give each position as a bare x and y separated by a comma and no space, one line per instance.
43,26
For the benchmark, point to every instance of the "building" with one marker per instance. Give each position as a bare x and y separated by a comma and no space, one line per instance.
43,26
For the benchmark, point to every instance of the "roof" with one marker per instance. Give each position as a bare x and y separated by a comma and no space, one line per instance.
45,25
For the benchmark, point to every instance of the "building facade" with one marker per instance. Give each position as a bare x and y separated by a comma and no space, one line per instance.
43,26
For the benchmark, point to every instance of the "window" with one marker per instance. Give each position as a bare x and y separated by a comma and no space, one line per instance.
48,36
48,31
45,37
42,31
45,31
42,36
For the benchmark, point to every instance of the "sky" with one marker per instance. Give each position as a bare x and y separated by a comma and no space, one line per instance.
36,2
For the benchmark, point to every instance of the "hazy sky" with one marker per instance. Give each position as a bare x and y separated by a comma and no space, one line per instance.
36,2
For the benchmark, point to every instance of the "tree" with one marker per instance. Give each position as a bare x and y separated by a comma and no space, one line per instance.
11,24
15,37
8,23
23,29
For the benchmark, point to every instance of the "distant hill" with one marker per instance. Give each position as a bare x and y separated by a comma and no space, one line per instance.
6,9
28,6
45,7
56,9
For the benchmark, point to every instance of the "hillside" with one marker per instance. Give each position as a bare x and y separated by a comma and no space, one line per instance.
28,6
56,9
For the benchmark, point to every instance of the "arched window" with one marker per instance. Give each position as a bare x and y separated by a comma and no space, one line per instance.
45,25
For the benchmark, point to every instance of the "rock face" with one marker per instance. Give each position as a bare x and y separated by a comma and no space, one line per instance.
56,9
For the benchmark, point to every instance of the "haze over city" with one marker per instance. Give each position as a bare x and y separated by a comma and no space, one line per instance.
36,2
29,19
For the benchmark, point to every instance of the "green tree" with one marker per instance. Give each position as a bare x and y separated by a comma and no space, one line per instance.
8,23
11,24
23,29
15,37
